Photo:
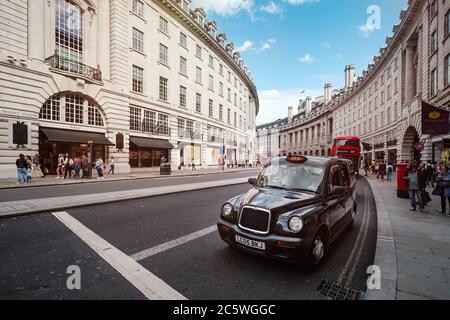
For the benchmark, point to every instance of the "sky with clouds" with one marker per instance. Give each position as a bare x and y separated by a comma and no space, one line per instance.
295,46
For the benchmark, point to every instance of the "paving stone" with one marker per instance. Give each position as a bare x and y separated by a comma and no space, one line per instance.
414,248
420,270
408,296
423,287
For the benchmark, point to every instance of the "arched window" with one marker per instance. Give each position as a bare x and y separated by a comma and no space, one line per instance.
72,108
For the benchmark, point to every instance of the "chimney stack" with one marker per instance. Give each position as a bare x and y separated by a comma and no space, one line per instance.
349,76
290,112
327,94
308,104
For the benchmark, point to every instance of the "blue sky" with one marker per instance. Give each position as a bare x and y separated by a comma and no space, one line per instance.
296,45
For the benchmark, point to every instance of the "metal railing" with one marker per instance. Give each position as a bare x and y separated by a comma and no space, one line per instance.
63,64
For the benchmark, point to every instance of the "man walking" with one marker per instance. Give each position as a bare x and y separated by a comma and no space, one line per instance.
22,166
112,164
84,165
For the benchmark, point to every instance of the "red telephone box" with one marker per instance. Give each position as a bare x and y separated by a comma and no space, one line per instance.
402,185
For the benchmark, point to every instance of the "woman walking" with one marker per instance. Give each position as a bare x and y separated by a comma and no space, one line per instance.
22,165
99,166
77,167
60,170
29,168
415,179
443,187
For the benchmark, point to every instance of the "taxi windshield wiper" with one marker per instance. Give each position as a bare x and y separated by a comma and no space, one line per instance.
275,187
304,190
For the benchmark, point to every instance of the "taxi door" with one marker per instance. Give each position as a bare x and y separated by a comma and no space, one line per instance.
336,203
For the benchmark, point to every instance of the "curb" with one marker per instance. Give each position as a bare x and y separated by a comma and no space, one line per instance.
73,182
112,199
385,255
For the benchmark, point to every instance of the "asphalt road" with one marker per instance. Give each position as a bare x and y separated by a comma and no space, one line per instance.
36,250
14,194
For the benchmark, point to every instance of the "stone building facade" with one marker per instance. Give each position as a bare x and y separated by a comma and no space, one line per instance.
140,79
383,105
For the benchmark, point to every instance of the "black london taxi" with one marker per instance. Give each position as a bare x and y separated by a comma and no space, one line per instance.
297,207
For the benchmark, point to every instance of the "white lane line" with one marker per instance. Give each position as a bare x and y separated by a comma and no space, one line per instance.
146,282
358,238
361,247
172,244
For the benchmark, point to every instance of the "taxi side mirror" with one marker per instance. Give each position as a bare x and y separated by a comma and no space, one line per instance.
337,191
252,181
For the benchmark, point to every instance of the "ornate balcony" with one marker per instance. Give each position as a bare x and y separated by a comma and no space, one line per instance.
66,65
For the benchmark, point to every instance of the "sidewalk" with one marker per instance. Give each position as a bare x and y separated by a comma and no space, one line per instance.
413,249
51,180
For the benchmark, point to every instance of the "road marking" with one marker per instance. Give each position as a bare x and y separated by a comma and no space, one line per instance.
358,238
361,247
389,239
146,282
172,244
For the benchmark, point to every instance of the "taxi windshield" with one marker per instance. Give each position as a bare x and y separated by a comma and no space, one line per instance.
291,176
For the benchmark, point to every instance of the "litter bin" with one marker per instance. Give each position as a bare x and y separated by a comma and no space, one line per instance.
165,169
402,185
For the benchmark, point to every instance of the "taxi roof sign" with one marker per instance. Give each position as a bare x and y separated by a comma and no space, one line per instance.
296,158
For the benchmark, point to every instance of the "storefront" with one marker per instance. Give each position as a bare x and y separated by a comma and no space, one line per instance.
190,152
148,152
213,154
53,141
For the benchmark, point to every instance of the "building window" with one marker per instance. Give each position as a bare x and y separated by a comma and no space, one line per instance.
221,69
229,116
220,112
433,8
69,35
94,116
163,54
183,65
434,42
183,96
138,7
235,119
51,109
433,82
198,102
74,109
163,89
198,75
138,40
211,108
198,51
447,70
389,115
221,89
229,95
447,23
163,124
135,119
183,39
138,79
211,61
163,25
235,99
211,83
149,121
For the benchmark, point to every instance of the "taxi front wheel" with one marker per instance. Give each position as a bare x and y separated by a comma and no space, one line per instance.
316,253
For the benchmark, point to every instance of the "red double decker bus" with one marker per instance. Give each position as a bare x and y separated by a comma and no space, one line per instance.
348,148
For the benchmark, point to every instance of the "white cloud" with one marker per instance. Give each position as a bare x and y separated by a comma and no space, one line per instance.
245,46
266,45
274,103
307,58
224,7
299,2
271,8
366,30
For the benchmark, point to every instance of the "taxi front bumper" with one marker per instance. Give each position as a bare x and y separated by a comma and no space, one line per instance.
293,250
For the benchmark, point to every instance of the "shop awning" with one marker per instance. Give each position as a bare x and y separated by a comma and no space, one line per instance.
72,136
151,143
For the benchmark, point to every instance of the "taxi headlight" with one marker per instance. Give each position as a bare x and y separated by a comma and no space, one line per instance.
295,224
227,209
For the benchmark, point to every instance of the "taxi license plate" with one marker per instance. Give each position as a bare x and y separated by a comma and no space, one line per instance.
251,243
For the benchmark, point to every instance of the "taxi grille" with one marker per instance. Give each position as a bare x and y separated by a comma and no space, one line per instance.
255,219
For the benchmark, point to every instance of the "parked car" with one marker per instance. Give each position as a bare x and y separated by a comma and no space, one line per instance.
297,207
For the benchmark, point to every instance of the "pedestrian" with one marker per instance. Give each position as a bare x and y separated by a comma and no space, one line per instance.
423,183
36,167
66,166
84,165
413,178
430,173
382,170
29,167
77,167
373,165
443,183
60,167
22,165
99,166
112,164
222,162
193,165
390,171
366,166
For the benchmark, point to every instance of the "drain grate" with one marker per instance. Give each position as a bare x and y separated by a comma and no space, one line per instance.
336,291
